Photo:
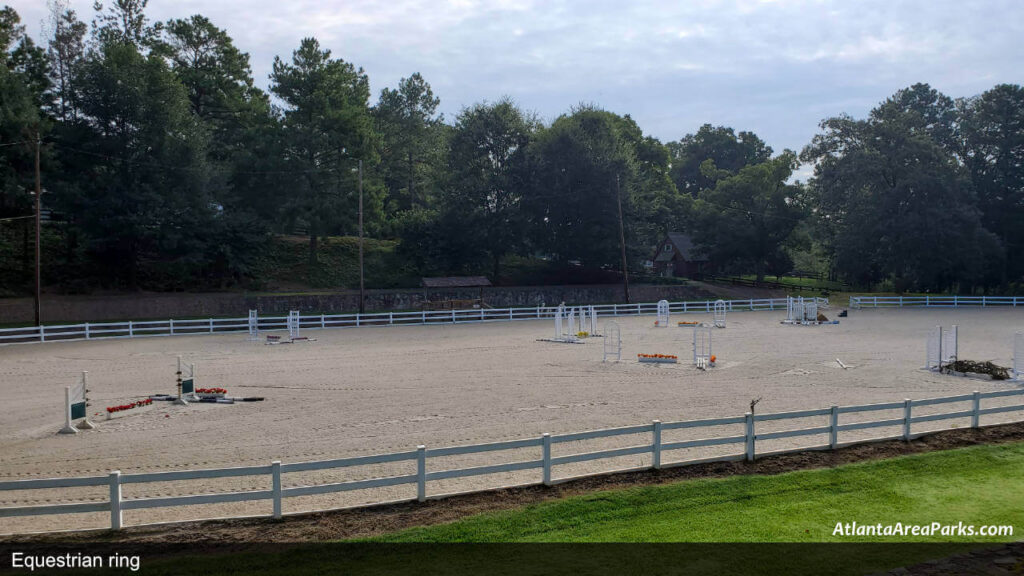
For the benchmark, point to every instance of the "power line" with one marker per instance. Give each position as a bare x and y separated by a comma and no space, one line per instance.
16,143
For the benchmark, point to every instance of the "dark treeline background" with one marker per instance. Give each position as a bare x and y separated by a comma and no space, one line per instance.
166,167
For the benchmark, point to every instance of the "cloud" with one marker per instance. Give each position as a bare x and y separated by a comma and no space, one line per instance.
776,68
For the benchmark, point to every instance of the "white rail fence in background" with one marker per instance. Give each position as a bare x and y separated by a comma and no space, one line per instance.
857,302
650,443
137,329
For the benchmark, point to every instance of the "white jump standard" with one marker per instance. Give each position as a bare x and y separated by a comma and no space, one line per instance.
663,313
76,406
254,326
941,348
612,341
702,347
801,312
565,327
720,308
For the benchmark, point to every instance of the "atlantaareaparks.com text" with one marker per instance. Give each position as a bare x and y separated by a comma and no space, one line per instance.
934,529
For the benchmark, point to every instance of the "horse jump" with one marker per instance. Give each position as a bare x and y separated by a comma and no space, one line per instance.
612,341
702,347
720,308
801,312
941,348
254,326
76,406
663,313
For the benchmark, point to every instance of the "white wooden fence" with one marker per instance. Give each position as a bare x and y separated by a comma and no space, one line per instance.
650,443
137,328
857,302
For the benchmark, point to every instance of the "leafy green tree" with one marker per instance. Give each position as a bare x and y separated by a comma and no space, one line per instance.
142,200
748,217
412,136
66,51
897,202
326,127
993,134
579,167
481,207
729,151
23,89
124,21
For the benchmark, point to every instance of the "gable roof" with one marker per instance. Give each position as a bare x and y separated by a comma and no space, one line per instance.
684,244
456,282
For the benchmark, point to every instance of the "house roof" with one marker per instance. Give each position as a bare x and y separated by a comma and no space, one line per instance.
456,282
684,244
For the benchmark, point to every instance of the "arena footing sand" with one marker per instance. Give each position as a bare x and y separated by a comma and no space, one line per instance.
386,389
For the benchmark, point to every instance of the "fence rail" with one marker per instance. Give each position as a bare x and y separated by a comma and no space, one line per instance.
857,302
171,327
649,443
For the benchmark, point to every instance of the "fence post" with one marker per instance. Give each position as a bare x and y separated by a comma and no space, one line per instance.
86,330
357,319
906,419
211,325
275,486
323,324
545,442
421,473
42,333
172,326
656,446
833,428
976,409
750,436
391,318
115,500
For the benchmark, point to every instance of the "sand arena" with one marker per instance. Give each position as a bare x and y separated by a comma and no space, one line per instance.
386,389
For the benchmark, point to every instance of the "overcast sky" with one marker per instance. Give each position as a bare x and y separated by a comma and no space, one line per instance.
773,67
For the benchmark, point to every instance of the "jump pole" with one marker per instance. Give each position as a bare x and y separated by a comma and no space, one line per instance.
71,401
85,424
181,399
68,428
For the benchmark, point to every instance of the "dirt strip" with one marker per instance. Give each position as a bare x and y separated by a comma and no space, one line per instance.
375,520
996,561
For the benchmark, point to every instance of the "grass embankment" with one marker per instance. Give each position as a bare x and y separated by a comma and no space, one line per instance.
979,485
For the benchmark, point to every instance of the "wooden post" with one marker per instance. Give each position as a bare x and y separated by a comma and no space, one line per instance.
656,446
421,473
115,500
546,457
622,242
906,419
976,409
39,205
833,428
275,486
750,435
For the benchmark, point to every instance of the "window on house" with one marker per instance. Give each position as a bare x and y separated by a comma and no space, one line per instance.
668,248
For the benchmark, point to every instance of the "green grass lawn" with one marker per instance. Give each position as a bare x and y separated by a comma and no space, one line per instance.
980,485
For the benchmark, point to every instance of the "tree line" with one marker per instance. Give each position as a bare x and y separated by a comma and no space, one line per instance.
168,167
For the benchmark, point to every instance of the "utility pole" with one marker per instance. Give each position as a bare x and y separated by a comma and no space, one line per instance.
622,241
39,194
362,298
